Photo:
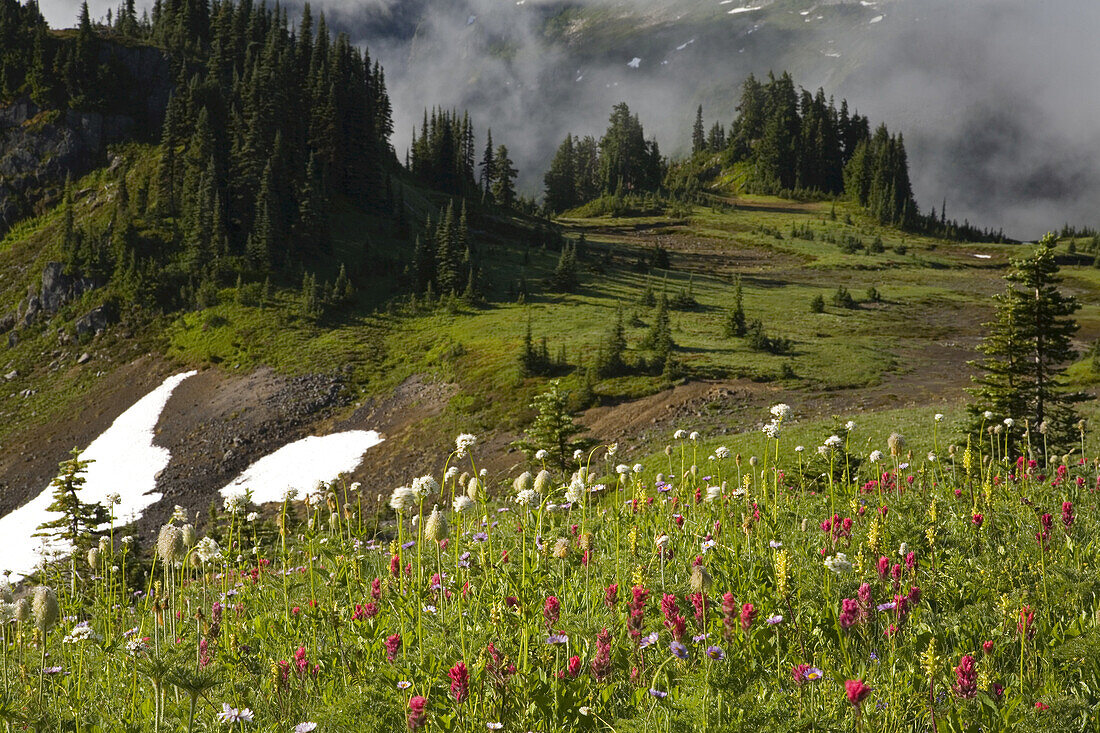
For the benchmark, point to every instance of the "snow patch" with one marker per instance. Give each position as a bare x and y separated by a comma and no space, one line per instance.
876,19
303,464
746,10
682,46
634,63
984,257
125,462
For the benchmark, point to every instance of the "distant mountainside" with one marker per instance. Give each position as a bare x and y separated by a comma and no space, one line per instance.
991,94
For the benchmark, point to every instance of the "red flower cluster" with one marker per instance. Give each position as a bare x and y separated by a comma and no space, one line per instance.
857,691
551,610
393,645
365,611
601,663
966,679
636,619
748,615
418,714
729,614
1067,514
674,622
460,682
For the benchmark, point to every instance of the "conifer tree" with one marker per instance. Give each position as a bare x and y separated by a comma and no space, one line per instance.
698,137
735,323
488,168
1026,350
565,279
79,520
561,178
504,178
660,334
553,428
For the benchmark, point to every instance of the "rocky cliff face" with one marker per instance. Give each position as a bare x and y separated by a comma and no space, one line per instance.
40,148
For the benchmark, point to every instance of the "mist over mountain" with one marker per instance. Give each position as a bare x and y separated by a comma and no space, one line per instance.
996,98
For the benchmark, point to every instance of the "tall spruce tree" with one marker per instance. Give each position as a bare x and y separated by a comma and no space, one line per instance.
79,520
1026,350
735,325
504,179
553,428
698,136
561,178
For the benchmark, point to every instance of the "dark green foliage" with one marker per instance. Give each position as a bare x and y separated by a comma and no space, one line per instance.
611,361
698,136
843,299
535,359
735,325
442,155
79,521
758,340
1026,349
565,278
561,178
553,428
659,338
627,161
504,179
444,260
623,163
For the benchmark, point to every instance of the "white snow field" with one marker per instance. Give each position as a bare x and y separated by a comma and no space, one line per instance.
125,463
303,464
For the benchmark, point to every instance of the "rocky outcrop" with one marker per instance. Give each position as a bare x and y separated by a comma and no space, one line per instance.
95,321
58,290
39,148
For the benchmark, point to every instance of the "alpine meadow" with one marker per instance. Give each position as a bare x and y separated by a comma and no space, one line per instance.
602,365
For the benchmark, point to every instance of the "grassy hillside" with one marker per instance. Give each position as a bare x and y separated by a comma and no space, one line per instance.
903,345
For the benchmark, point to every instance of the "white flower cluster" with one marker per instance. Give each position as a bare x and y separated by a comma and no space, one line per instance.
207,549
136,647
833,442
679,435
542,454
424,486
876,456
782,411
771,430
462,503
236,503
81,632
721,452
403,499
527,497
839,563
575,493
464,443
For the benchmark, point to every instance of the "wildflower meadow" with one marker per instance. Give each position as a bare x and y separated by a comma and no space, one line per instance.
913,588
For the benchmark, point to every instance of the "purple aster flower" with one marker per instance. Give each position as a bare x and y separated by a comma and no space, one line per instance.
648,640
699,638
657,693
305,727
716,653
773,620
813,673
887,606
480,537
408,544
679,649
557,639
